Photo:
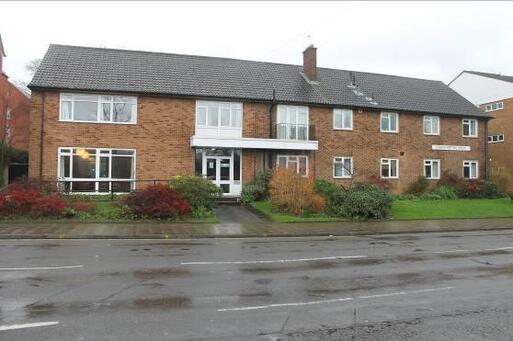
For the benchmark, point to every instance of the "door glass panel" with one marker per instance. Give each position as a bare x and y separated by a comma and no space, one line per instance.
211,169
236,165
225,169
225,188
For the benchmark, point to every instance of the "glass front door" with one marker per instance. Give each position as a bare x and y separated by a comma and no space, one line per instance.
219,171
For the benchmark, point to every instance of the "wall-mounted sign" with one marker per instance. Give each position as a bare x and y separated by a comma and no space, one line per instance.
451,148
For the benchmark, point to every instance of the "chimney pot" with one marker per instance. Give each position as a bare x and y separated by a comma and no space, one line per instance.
310,63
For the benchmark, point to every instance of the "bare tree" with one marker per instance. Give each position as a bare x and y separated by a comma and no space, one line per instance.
32,66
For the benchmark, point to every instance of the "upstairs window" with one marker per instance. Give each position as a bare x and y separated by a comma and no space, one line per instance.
431,125
292,122
343,119
494,106
98,108
389,122
496,138
469,128
221,115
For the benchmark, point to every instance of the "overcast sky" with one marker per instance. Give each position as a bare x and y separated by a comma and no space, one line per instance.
425,40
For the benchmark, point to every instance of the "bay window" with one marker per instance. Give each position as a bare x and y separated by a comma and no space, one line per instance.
295,163
98,108
96,169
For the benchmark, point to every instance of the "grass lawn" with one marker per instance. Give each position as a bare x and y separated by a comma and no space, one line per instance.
412,209
264,207
460,208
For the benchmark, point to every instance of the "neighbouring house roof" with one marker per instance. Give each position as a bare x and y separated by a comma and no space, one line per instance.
101,69
492,75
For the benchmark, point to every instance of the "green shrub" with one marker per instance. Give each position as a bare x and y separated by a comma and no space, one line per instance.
445,192
201,212
490,190
258,188
406,197
360,202
198,191
326,188
248,194
418,187
430,196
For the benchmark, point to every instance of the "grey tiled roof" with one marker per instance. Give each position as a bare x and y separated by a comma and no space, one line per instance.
492,75
99,69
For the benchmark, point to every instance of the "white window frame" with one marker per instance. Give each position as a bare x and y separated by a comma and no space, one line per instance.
297,162
499,138
342,159
469,122
384,161
468,163
284,110
231,106
96,179
98,109
343,112
429,162
495,106
430,118
390,114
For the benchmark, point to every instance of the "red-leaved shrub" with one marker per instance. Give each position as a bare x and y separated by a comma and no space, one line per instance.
82,206
52,205
157,202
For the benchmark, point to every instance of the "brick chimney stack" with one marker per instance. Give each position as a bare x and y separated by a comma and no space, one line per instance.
310,63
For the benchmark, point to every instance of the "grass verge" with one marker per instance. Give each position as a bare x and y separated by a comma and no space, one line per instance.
264,207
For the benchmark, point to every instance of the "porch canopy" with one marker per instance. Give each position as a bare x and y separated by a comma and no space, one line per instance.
253,143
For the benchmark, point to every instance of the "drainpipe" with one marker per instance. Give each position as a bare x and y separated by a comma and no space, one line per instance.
273,101
487,156
41,136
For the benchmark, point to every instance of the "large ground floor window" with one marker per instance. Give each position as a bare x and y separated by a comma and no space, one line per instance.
97,170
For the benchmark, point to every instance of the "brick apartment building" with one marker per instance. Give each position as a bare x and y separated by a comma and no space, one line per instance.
14,120
114,115
493,93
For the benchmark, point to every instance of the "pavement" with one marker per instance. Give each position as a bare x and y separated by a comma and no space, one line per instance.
428,286
253,226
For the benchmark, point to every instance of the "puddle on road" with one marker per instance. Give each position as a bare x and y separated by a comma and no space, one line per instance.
278,268
161,273
263,281
255,294
164,302
474,254
326,286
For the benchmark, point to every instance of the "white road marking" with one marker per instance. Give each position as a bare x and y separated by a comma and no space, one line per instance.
43,268
453,251
295,304
500,248
274,260
465,250
28,325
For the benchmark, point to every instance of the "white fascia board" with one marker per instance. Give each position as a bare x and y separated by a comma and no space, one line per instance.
253,143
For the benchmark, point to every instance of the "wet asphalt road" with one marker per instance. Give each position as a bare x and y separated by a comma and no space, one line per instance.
433,286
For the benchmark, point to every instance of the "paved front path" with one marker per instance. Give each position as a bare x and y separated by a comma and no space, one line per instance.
258,229
230,214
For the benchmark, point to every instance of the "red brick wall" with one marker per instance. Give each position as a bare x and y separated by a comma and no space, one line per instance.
501,161
367,145
19,105
165,125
